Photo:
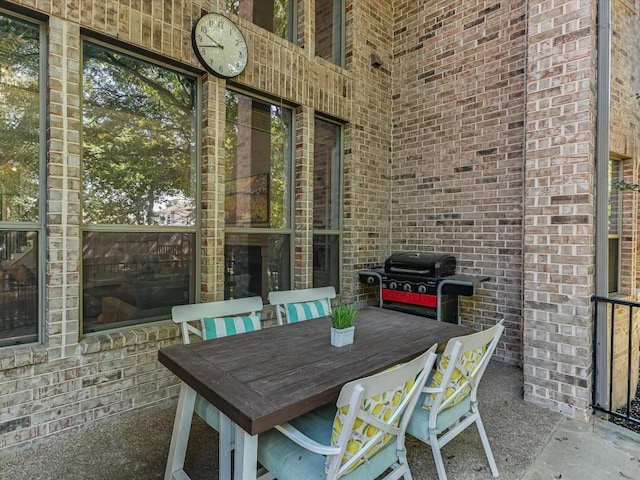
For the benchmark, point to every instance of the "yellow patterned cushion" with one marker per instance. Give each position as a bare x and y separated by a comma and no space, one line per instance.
382,407
467,364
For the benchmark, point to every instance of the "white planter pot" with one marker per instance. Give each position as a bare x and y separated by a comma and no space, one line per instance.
342,337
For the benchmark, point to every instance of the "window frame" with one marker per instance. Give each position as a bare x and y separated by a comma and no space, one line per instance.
340,177
39,225
341,29
615,261
293,24
288,232
194,229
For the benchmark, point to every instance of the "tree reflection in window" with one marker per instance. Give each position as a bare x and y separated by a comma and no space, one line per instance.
276,16
19,120
138,141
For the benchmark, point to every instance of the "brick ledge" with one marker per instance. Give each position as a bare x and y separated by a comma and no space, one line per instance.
101,341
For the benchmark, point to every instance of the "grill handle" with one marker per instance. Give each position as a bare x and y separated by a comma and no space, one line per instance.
409,270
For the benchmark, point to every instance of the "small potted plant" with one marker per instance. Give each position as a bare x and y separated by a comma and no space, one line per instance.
342,321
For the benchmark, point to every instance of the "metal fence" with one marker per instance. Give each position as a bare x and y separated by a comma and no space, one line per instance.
616,357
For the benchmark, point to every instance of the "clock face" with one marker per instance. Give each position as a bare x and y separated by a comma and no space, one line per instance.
220,45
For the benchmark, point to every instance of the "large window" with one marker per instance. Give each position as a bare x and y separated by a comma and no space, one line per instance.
21,174
330,30
276,16
139,189
257,196
327,202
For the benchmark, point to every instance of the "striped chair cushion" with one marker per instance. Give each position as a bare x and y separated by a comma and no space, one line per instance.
222,327
297,312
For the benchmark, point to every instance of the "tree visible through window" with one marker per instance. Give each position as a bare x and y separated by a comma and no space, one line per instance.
276,16
257,196
138,189
21,137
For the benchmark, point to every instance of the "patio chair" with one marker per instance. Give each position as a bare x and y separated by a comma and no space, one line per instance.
449,404
213,320
359,438
303,304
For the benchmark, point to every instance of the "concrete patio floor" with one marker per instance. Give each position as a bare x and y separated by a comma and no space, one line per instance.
529,443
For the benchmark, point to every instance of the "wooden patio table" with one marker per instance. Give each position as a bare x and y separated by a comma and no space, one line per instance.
264,378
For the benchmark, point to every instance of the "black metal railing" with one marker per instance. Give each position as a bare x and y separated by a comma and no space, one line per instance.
616,343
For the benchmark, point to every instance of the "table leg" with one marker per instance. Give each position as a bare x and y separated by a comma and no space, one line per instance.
246,455
225,447
180,434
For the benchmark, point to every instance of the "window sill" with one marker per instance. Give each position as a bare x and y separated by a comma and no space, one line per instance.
22,356
110,340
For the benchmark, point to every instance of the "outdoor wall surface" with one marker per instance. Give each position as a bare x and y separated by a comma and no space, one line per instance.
469,129
459,112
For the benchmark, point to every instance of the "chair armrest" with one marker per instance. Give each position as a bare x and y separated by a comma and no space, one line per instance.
301,439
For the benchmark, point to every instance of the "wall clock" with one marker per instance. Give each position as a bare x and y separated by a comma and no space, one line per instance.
219,45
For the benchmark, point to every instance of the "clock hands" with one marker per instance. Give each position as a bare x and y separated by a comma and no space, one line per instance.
217,45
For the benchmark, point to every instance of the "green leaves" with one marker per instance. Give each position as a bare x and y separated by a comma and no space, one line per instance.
343,316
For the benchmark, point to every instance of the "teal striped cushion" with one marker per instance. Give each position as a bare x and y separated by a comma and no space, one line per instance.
222,327
297,312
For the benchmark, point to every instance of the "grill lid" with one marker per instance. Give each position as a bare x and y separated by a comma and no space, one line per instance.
427,264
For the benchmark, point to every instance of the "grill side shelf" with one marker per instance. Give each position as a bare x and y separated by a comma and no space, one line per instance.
467,282
372,277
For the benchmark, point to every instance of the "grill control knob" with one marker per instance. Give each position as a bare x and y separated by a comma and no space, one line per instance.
371,280
393,285
407,287
422,289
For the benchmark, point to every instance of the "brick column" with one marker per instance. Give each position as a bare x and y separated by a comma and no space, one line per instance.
213,177
62,322
303,201
559,195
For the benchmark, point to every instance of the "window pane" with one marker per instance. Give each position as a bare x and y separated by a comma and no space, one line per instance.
326,176
258,161
326,260
276,16
18,287
329,21
138,141
256,264
615,174
19,120
131,278
614,270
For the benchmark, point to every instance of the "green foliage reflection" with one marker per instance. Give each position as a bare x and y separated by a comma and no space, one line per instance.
138,141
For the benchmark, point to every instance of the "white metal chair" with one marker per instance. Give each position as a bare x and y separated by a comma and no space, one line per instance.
448,404
302,304
207,321
359,438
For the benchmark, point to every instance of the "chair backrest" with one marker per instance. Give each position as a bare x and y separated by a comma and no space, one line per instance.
371,412
303,304
460,369
218,319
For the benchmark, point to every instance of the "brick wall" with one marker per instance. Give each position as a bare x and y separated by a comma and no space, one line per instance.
559,265
443,151
70,380
457,162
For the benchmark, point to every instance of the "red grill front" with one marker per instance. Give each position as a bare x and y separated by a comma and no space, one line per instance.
410,298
